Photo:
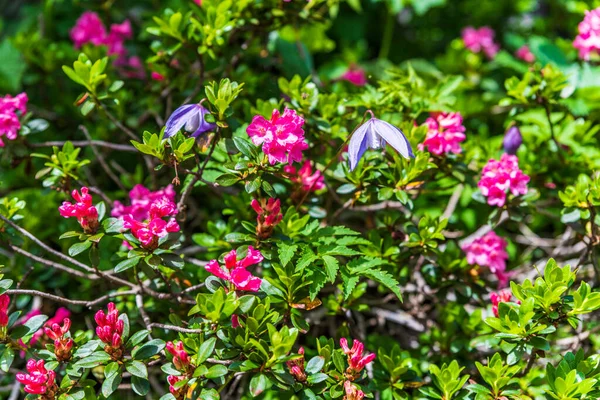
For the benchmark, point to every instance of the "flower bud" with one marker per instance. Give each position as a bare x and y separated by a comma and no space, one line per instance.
512,140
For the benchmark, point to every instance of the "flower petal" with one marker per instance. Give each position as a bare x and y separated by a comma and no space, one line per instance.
393,136
357,145
179,118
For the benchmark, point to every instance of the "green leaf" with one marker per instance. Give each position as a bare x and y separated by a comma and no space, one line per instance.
258,384
6,359
216,371
331,267
93,360
110,384
315,365
286,252
79,248
206,349
127,263
28,328
385,279
149,349
137,338
141,386
137,368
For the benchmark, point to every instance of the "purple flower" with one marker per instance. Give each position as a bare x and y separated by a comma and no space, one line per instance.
374,134
512,140
191,118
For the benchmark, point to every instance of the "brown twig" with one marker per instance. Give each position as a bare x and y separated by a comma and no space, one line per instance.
63,300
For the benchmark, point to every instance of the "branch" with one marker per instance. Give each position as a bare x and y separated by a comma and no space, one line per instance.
52,264
63,300
102,161
175,328
85,143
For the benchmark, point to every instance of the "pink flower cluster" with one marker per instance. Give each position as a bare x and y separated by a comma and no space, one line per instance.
178,393
235,270
356,359
499,177
38,380
181,359
4,303
525,54
141,199
502,296
305,177
9,119
155,227
588,39
481,39
62,343
83,210
281,137
297,367
269,215
352,392
89,28
110,330
446,132
355,75
489,251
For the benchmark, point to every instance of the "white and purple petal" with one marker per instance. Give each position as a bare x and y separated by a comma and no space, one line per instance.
181,117
393,136
358,145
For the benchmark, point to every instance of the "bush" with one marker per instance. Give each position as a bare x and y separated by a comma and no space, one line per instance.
289,199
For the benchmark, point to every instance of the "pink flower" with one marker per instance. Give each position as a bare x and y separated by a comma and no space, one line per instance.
83,210
110,328
133,68
305,177
62,343
58,317
4,303
178,393
525,54
446,131
235,270
281,137
352,392
235,321
499,177
156,76
481,39
199,2
141,199
115,41
38,380
356,359
155,227
588,40
88,29
181,359
489,251
355,75
502,296
296,367
269,215
9,120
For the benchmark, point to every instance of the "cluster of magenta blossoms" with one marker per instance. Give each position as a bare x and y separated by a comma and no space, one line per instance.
181,361
4,303
110,331
296,367
62,342
155,227
525,54
482,39
281,137
355,75
9,118
489,251
89,28
503,296
588,39
235,270
39,380
500,177
445,133
357,360
304,177
269,215
59,317
85,212
140,200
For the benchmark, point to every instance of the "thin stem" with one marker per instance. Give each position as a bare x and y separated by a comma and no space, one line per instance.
388,35
175,328
101,160
63,300
84,143
552,135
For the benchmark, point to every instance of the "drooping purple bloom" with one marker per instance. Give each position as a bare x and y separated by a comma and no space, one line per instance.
374,134
191,118
512,140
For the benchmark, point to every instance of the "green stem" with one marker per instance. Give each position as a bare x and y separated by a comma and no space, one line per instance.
388,35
